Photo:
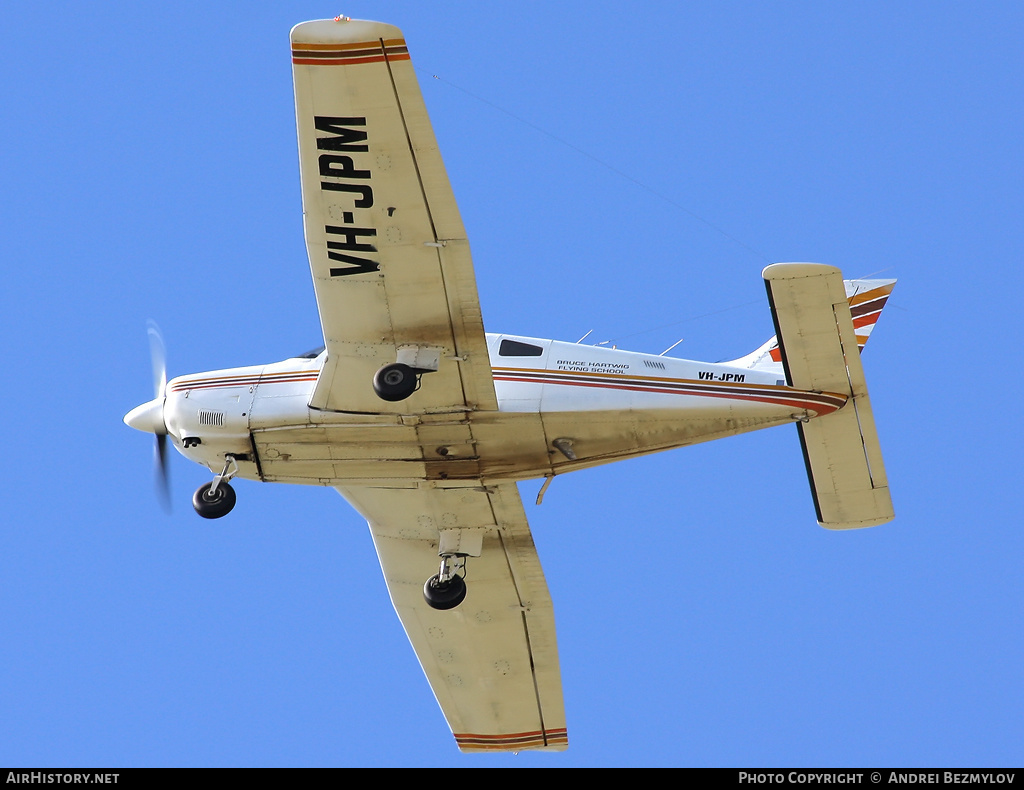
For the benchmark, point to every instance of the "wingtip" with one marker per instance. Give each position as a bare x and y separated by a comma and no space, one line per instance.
791,271
341,30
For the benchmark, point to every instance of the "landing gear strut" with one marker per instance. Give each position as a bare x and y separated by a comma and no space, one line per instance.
447,589
214,500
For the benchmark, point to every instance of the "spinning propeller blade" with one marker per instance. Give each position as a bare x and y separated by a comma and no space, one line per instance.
157,357
162,472
158,360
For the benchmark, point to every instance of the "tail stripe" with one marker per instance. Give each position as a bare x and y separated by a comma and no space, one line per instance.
866,299
874,306
874,293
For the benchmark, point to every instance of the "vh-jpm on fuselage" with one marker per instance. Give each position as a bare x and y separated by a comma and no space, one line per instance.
424,423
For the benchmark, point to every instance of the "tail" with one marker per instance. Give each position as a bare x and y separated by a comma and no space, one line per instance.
866,298
818,333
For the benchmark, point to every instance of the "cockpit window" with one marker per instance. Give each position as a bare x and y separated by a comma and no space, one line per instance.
513,348
311,354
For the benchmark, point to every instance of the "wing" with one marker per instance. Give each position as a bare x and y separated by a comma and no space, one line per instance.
493,661
390,261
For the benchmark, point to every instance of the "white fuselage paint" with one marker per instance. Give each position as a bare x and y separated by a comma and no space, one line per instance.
608,405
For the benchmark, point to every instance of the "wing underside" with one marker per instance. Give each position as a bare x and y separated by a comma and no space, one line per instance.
388,253
493,661
394,281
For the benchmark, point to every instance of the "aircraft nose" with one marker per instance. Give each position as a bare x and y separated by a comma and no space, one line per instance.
149,417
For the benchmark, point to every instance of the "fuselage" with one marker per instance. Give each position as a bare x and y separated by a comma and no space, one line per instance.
561,406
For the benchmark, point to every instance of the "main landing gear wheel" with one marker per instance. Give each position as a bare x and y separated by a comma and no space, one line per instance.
214,505
395,382
444,595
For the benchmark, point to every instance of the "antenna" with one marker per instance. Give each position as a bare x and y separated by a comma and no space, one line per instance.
680,340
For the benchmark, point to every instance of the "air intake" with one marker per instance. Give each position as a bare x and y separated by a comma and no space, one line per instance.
214,418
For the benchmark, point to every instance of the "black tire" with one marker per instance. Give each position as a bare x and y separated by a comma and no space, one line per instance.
445,595
215,506
394,382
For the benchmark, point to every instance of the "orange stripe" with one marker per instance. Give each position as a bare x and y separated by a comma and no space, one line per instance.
874,293
823,403
631,377
512,741
346,61
333,53
866,320
509,735
246,381
301,45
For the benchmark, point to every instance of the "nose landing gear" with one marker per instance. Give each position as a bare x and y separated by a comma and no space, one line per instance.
216,499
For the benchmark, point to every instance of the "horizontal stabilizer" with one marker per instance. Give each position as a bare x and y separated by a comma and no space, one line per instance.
866,298
819,352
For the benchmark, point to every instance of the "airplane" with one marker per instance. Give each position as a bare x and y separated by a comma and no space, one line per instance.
425,423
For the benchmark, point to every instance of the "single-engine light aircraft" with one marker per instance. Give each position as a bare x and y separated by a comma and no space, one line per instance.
425,423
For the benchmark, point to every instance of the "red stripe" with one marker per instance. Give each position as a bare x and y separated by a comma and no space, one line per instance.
820,406
520,739
247,381
347,61
866,320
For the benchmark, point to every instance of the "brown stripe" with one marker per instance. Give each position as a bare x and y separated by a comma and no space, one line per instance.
659,380
512,739
346,61
334,53
628,377
303,46
775,396
869,307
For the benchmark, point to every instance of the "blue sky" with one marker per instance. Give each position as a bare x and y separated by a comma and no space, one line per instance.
150,171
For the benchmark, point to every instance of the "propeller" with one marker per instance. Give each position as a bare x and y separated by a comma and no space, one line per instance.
149,417
158,360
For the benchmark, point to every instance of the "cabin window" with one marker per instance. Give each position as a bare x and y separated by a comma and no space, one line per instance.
311,354
513,348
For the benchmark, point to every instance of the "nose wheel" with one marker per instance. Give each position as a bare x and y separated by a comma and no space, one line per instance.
217,498
446,589
211,503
